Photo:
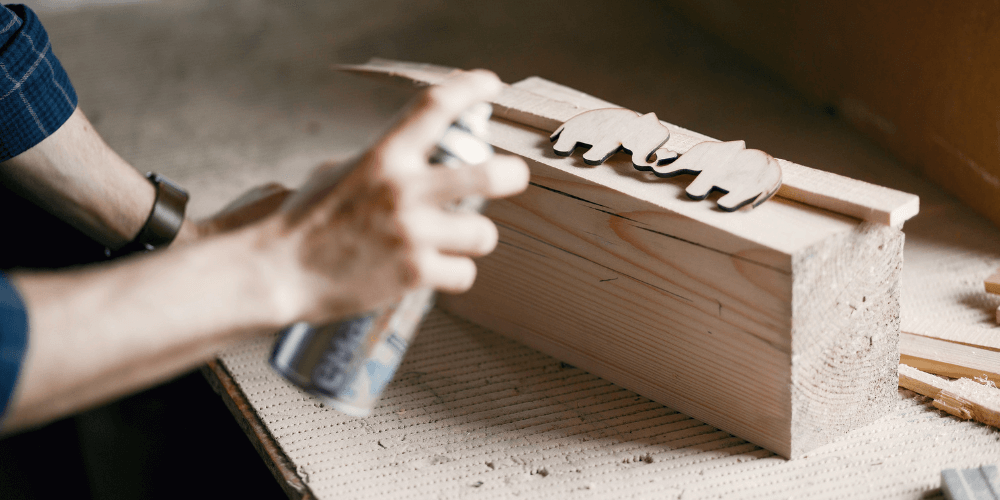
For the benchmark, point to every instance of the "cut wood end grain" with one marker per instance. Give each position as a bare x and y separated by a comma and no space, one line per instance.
547,105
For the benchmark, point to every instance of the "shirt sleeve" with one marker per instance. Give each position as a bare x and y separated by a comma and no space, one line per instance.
13,340
36,96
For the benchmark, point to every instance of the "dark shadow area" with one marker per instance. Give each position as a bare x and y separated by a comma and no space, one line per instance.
177,440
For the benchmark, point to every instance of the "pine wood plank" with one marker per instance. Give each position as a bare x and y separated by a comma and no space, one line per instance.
949,359
817,188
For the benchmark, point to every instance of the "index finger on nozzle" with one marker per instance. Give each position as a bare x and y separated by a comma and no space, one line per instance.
439,106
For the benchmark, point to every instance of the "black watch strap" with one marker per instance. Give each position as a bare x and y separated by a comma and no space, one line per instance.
165,219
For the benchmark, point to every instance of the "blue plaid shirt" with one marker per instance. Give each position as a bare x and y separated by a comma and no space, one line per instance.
36,98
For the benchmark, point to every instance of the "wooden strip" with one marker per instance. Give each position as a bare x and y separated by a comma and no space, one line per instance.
826,190
949,359
813,187
993,282
962,398
282,468
552,90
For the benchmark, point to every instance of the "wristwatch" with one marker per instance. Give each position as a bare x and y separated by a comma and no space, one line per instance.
164,221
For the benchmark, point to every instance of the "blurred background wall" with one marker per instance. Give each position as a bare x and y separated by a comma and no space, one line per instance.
921,78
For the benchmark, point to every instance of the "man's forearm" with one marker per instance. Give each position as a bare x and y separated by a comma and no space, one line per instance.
77,177
100,333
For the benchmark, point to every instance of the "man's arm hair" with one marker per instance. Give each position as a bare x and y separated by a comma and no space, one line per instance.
100,332
74,175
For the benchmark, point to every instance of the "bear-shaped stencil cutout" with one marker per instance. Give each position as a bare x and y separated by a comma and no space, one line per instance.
745,175
610,130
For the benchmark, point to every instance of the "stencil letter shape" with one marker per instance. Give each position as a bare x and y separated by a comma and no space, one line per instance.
745,175
608,131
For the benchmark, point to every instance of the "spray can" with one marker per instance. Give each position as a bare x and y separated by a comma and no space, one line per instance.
347,364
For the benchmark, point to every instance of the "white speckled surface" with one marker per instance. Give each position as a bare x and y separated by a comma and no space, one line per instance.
473,414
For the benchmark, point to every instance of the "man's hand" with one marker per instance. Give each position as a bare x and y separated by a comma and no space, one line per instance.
335,248
360,238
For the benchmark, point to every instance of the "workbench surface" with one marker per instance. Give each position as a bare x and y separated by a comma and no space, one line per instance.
473,414
221,96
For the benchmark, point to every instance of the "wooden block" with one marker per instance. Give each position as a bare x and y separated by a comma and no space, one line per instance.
963,398
779,325
949,359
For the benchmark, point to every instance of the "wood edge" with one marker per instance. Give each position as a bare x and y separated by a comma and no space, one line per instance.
281,467
942,365
943,369
992,284
905,211
904,207
905,334
893,217
909,380
962,405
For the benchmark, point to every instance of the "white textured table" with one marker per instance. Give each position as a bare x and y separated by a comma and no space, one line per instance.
472,414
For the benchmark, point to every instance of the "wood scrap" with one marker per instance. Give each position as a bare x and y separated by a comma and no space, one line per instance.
949,359
963,398
813,187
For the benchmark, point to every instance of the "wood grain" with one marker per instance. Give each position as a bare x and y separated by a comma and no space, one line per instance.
714,314
778,324
949,359
825,190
